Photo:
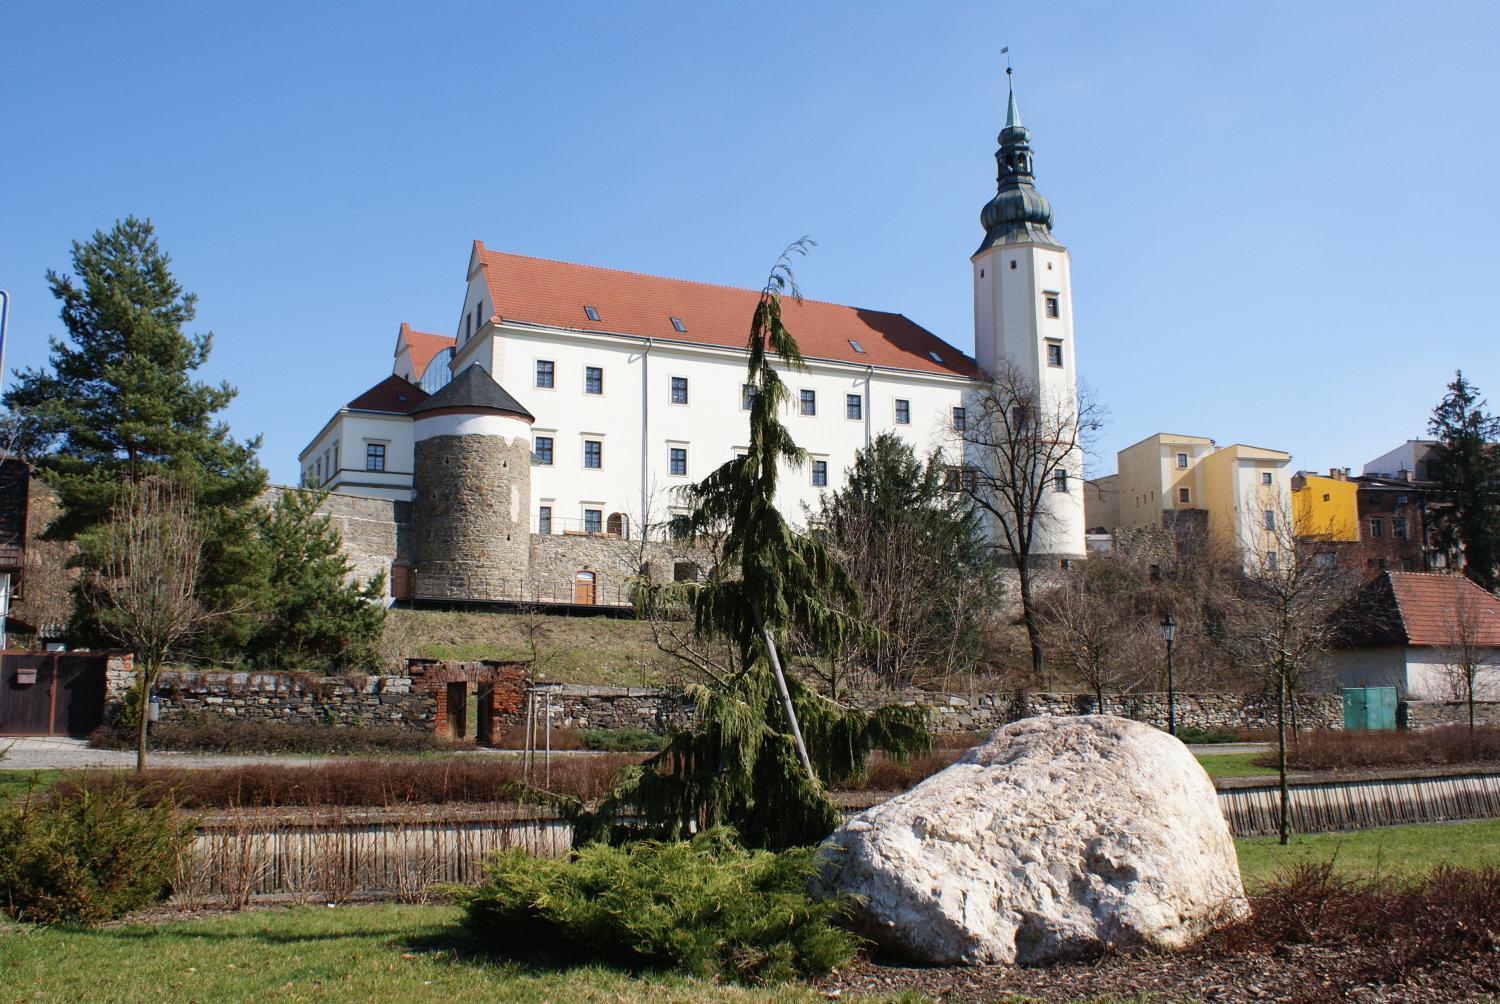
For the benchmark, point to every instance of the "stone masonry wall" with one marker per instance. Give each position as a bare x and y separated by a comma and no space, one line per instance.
615,562
1436,714
470,530
416,700
375,532
581,708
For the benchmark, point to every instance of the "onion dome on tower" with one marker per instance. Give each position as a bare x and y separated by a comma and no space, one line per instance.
1018,214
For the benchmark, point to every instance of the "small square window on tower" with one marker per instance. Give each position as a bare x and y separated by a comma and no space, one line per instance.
1184,495
1054,354
1012,264
1054,307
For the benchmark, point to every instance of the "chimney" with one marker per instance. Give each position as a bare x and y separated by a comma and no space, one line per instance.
1403,475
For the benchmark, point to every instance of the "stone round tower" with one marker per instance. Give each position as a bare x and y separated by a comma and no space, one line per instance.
471,520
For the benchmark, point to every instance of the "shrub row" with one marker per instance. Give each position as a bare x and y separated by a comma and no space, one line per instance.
1325,749
219,735
368,783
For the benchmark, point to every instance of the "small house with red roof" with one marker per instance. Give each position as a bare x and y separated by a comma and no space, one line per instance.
1416,630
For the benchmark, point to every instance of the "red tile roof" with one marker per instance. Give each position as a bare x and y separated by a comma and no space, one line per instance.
392,394
554,293
422,346
1428,605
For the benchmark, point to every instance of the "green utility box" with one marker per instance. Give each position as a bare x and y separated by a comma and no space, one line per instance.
1369,708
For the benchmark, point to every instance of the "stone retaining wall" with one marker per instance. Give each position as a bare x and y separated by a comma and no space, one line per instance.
1436,714
580,708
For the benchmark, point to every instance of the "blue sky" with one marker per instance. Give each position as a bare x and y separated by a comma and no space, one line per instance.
1282,215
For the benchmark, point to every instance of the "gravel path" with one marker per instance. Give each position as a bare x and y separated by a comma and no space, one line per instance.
56,753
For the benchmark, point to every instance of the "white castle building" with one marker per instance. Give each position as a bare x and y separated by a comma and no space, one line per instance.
615,388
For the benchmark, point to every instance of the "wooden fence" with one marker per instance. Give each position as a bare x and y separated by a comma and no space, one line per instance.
334,855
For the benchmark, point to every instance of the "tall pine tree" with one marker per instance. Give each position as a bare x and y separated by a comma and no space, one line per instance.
122,401
1466,466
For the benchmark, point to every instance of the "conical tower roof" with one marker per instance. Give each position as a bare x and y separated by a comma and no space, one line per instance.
473,390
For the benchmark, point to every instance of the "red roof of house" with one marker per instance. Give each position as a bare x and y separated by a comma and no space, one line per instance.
1429,604
422,346
392,394
554,293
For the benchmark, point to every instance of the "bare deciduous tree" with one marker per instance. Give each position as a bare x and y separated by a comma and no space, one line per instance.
145,586
1021,446
1283,620
1469,655
1092,628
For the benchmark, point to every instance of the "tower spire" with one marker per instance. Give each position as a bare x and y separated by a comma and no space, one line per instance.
1018,214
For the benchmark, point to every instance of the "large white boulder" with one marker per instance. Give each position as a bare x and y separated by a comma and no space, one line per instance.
1055,838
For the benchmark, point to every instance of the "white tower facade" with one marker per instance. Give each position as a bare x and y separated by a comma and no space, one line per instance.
1023,318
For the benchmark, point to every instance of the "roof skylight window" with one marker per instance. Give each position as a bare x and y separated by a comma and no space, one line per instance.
935,357
856,346
677,323
592,313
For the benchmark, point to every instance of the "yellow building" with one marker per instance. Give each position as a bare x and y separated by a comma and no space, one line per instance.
1325,508
1160,474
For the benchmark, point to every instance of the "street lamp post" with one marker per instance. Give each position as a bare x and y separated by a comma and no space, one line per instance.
1168,632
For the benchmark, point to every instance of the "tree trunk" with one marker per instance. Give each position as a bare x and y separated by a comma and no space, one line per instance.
144,711
1028,617
1284,824
786,698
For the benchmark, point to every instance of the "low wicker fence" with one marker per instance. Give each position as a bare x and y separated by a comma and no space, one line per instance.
332,855
329,854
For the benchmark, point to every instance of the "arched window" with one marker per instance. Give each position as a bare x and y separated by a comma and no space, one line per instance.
437,374
618,525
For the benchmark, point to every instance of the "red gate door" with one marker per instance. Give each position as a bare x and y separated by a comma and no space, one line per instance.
26,684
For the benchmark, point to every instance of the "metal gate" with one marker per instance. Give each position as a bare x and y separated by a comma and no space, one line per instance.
51,693
1369,708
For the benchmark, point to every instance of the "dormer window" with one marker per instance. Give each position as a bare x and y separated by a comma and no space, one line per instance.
856,346
592,313
678,325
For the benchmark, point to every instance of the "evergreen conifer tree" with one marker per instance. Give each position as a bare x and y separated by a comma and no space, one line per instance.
763,746
318,618
1466,466
122,405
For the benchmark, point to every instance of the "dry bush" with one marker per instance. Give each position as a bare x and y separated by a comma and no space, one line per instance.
1388,927
1326,749
204,734
369,783
886,773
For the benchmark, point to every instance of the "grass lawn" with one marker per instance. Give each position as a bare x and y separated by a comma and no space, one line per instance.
350,953
16,782
1400,850
1233,765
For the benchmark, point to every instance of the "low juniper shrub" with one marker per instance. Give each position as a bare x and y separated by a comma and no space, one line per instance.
85,856
622,740
707,907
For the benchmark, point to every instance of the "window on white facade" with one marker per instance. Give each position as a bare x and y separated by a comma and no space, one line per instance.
903,411
677,461
820,473
854,406
1060,481
1268,519
1182,461
543,450
747,396
590,312
546,372
809,402
1265,477
544,519
1054,308
1054,353
679,390
593,520
593,380
960,418
593,454
374,456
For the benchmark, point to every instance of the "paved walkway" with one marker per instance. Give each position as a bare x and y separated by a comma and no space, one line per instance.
56,753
